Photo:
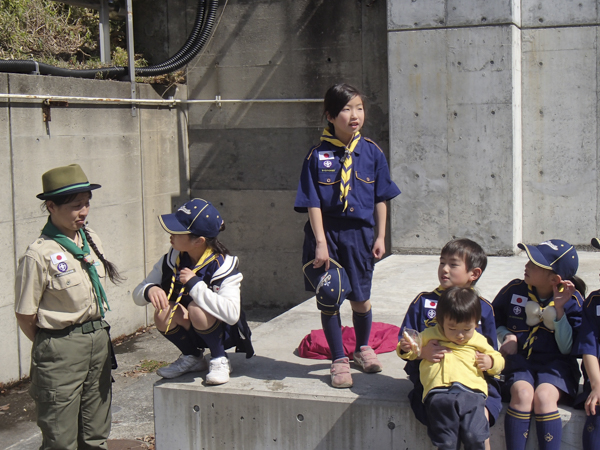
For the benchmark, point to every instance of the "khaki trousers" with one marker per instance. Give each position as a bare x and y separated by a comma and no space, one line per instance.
71,386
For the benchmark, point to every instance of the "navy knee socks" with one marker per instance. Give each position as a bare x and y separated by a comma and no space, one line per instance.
213,337
362,327
332,326
549,430
516,428
180,337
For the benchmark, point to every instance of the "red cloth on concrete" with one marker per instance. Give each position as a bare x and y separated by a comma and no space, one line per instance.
383,339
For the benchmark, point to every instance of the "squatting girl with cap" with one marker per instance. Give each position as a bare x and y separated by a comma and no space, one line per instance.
538,319
587,346
344,185
60,305
195,291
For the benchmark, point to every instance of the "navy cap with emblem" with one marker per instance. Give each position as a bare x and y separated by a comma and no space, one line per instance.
331,286
197,217
556,255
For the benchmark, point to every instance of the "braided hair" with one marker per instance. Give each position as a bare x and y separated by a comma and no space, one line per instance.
110,268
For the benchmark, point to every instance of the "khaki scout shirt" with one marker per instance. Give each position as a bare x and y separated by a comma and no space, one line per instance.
53,284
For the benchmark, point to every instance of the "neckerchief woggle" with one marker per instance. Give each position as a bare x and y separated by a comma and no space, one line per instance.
83,255
532,337
207,257
346,161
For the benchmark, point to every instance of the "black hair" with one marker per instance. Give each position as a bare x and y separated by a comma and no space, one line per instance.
469,251
336,97
459,304
214,243
111,269
579,284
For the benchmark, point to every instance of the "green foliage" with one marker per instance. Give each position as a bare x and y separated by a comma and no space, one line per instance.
47,31
63,36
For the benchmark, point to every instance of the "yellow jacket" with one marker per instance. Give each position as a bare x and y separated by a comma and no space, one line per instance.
457,366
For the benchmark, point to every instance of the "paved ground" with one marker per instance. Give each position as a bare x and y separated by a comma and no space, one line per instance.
398,281
133,416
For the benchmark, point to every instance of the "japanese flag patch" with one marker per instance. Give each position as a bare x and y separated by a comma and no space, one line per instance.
430,303
518,300
57,258
325,156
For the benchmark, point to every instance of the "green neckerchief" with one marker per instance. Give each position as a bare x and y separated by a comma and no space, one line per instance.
84,256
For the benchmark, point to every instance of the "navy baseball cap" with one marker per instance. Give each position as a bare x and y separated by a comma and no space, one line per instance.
556,255
197,217
596,243
331,286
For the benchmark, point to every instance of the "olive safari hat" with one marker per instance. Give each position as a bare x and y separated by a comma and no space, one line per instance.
65,180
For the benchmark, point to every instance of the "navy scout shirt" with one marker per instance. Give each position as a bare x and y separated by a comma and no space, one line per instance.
370,182
509,307
587,339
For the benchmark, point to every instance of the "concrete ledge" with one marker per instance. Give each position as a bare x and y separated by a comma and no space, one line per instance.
277,400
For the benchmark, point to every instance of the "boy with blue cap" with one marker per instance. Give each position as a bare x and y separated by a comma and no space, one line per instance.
195,290
538,319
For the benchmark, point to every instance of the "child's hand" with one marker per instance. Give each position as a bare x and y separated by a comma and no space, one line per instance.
433,351
592,401
484,362
379,248
561,298
158,298
186,275
321,256
405,345
509,346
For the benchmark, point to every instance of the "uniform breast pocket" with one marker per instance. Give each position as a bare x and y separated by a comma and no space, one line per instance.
61,282
329,188
516,324
365,187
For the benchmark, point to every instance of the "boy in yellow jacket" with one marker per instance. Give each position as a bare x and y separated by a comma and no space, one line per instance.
454,389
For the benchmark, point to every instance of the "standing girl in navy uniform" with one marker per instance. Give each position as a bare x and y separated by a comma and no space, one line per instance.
195,290
538,319
588,346
344,186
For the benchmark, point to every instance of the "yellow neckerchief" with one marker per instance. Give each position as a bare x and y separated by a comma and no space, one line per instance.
207,257
531,338
346,162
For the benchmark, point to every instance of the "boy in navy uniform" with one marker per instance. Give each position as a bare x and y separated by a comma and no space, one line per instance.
538,319
462,262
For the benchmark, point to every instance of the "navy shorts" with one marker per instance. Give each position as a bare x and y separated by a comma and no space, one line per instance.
560,372
457,415
350,243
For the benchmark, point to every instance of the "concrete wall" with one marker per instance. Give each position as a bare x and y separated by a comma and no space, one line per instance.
135,159
494,122
246,158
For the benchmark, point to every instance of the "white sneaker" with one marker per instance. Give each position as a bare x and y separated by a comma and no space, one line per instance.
219,371
184,364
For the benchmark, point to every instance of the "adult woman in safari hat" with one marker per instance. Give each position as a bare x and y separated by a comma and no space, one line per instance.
60,305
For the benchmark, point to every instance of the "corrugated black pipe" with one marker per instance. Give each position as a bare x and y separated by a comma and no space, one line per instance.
197,39
185,58
192,38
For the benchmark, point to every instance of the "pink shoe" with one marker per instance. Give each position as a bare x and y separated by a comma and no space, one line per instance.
367,360
340,373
